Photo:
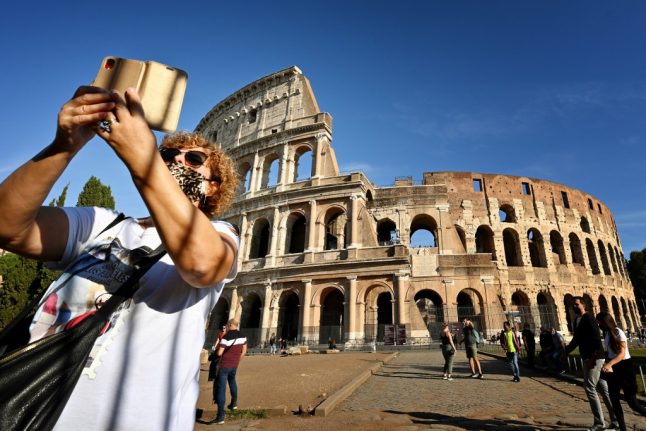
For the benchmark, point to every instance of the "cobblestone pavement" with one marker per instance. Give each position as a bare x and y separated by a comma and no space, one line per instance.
409,394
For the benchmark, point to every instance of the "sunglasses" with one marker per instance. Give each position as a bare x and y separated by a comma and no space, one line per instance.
192,157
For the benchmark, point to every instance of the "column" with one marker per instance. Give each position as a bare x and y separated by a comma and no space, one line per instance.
311,237
273,246
265,318
354,223
243,247
318,157
306,324
234,308
351,308
256,174
283,177
401,283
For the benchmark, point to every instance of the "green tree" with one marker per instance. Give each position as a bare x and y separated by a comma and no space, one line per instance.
95,194
637,272
60,202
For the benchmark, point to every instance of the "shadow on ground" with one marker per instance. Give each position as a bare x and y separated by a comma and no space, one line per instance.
429,418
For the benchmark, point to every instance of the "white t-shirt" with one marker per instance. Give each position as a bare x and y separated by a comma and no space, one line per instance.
143,371
622,337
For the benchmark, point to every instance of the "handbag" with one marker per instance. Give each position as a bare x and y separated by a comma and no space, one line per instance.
37,380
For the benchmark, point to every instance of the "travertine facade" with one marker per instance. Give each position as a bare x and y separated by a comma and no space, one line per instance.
329,255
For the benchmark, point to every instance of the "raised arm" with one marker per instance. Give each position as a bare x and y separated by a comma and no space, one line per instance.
27,228
201,255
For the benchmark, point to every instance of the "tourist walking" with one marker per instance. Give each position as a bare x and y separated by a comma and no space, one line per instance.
448,351
511,345
232,349
588,339
272,344
618,370
470,340
530,344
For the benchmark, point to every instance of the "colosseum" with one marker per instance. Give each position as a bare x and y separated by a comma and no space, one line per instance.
326,255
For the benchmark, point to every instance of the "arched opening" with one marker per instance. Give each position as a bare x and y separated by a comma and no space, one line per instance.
369,197
384,313
546,310
603,304
302,164
589,303
507,214
520,310
621,262
245,174
556,246
484,241
250,318
387,232
335,229
613,261
295,234
576,250
536,248
592,256
260,239
423,231
634,314
624,308
585,225
604,258
332,318
616,312
512,247
569,312
288,316
463,238
429,304
217,319
470,307
270,171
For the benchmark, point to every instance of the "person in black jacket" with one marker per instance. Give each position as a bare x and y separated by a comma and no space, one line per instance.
587,337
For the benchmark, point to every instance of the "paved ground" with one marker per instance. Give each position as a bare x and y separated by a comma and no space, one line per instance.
409,394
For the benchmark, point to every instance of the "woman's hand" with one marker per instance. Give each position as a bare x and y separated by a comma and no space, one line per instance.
129,134
78,118
607,368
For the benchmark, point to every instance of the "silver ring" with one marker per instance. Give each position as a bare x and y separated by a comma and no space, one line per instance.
105,125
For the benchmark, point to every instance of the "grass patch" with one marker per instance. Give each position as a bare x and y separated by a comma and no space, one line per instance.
246,414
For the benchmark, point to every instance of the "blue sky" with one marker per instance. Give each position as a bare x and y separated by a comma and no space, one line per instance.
546,89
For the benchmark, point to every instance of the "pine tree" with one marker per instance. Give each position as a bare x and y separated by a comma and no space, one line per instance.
60,202
95,194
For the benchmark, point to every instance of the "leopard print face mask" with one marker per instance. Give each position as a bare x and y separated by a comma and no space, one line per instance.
192,183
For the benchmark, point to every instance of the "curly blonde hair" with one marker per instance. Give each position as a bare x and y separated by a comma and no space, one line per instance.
220,165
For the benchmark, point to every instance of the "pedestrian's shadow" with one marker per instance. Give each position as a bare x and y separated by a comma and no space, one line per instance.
428,418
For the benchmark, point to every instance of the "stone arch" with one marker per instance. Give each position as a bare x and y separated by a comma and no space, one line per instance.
484,241
620,262
270,171
378,311
589,303
616,312
335,229
576,250
470,306
592,256
385,229
507,214
613,261
568,301
295,237
603,304
463,237
431,310
626,315
556,246
511,242
288,313
634,314
245,172
303,163
260,239
423,223
250,318
604,257
546,310
332,316
536,248
520,308
585,225
217,319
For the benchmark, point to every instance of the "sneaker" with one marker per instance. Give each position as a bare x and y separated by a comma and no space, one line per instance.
450,379
613,427
444,377
473,376
232,407
216,421
597,427
481,376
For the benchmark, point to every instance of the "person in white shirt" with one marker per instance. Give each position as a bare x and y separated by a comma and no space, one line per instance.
618,369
